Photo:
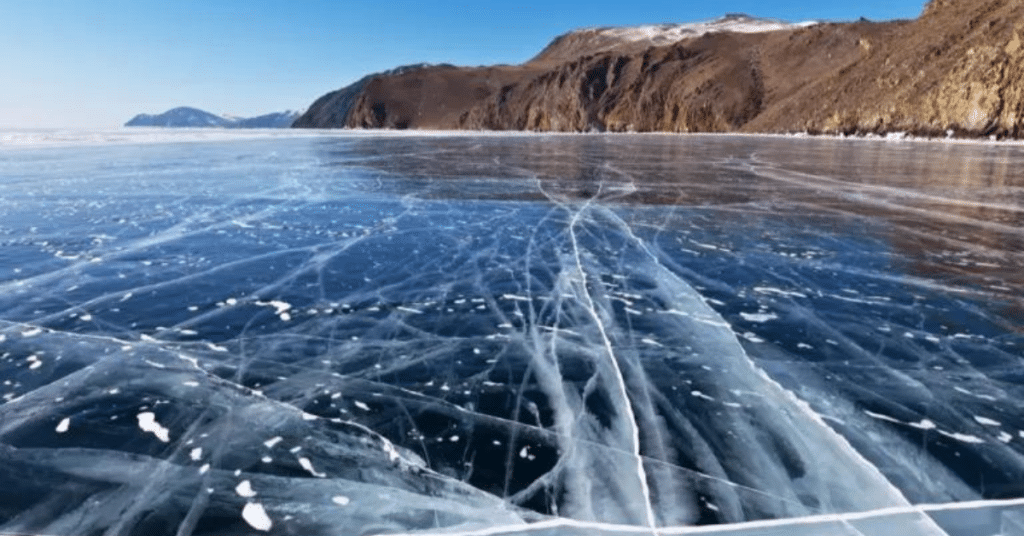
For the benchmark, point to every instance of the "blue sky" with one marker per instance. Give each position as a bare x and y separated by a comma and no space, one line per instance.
79,64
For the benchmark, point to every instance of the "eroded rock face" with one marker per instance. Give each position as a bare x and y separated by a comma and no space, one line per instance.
710,84
959,68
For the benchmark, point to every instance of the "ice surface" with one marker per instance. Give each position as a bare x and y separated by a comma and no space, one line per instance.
460,334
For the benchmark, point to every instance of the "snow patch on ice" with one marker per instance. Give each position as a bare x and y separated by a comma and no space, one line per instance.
147,422
985,421
256,517
244,489
759,317
308,466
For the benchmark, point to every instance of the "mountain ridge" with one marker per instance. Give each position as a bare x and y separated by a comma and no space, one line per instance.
957,69
188,117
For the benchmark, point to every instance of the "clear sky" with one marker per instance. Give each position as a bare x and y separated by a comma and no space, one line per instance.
78,63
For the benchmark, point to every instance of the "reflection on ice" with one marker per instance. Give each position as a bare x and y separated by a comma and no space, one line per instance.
523,335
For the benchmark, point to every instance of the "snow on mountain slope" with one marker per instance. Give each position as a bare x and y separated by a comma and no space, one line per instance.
595,40
661,34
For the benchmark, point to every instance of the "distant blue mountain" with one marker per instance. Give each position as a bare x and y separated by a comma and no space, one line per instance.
274,120
185,117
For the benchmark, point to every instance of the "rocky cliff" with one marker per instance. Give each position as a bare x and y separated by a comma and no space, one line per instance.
958,68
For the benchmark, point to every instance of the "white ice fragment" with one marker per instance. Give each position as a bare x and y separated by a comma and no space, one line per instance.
924,425
285,317
362,405
698,394
986,421
196,454
392,453
881,417
203,470
963,437
759,317
780,292
651,342
244,489
1005,437
280,307
256,517
266,459
308,466
804,346
752,337
85,317
454,439
147,422
409,310
231,301
31,332
340,500
63,426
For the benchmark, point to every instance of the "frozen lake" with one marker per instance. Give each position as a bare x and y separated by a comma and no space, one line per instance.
348,334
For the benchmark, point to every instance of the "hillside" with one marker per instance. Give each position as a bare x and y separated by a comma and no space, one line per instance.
956,69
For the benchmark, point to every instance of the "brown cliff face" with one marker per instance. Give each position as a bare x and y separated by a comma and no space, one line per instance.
430,97
959,67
